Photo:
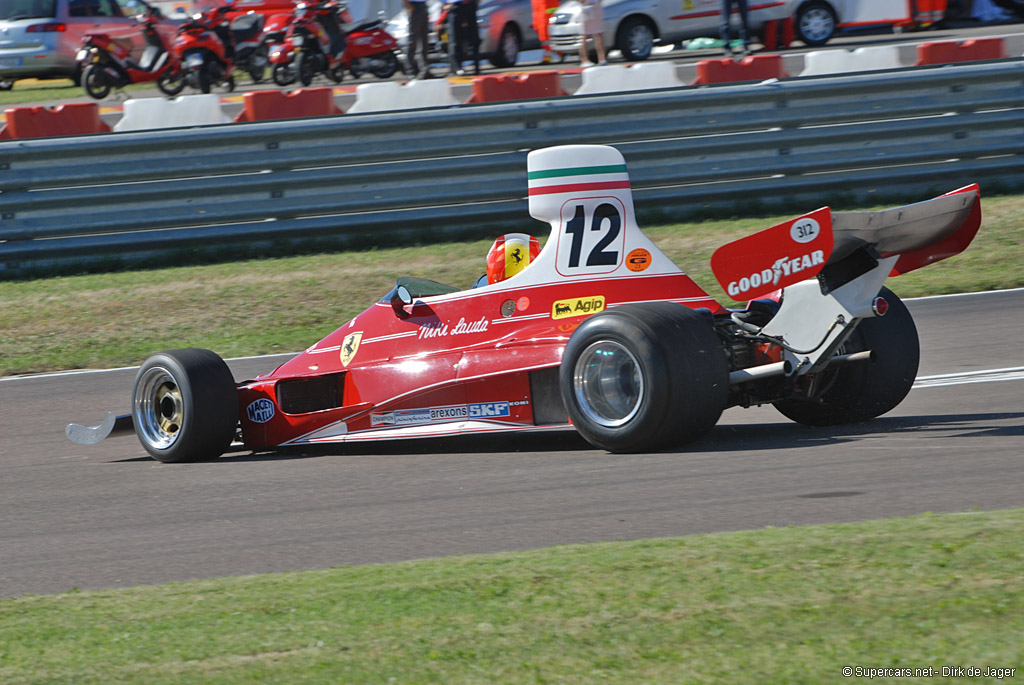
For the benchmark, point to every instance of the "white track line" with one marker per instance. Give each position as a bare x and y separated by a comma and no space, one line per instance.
987,376
924,381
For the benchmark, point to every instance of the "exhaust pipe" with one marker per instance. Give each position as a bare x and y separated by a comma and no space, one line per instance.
786,368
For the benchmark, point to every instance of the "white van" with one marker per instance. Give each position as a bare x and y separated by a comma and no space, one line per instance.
634,27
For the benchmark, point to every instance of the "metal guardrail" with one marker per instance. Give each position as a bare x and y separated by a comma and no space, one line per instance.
786,145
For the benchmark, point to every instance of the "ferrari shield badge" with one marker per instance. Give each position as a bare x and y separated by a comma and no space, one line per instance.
349,347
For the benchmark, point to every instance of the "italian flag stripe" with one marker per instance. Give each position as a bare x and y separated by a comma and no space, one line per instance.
577,171
578,187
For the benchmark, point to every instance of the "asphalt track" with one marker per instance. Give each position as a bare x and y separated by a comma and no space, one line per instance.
108,516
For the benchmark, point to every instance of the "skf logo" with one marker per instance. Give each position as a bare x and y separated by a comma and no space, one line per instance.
349,347
488,410
260,411
580,306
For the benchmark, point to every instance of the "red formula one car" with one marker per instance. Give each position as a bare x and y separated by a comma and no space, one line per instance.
600,330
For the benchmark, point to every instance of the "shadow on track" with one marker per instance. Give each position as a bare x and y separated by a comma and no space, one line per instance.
724,438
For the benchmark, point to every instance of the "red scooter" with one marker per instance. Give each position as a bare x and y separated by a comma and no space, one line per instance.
106,61
316,44
203,43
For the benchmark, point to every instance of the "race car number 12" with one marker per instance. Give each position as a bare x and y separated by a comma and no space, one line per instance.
591,238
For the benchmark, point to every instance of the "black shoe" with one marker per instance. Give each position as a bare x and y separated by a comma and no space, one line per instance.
427,75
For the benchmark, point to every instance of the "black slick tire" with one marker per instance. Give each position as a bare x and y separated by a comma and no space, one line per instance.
858,392
644,377
185,406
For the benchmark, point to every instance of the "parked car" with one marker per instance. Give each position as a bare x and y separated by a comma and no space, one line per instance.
39,38
635,27
815,22
506,29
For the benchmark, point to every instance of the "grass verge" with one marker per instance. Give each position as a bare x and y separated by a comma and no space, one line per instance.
286,304
773,605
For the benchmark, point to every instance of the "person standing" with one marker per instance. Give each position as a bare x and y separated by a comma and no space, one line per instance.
592,26
462,31
542,11
727,6
419,36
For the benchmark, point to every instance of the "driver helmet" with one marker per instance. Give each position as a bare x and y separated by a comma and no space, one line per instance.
510,254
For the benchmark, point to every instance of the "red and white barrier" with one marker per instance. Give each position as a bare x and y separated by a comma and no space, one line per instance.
186,110
390,96
43,122
617,78
819,62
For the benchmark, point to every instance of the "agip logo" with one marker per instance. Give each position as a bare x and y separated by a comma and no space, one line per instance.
578,306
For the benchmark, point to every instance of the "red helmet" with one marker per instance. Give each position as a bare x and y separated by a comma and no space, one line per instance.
510,254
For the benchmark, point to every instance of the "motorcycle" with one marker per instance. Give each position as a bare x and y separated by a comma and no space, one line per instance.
203,48
309,48
106,63
247,33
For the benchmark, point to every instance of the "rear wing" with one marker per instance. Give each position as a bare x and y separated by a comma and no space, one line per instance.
918,234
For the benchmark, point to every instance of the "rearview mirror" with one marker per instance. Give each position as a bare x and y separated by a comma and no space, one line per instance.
400,299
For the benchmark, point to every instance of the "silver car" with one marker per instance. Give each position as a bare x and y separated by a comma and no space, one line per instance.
634,27
506,29
39,38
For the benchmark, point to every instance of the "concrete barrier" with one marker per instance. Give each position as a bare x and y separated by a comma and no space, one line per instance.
752,68
818,62
537,84
268,105
390,96
186,110
618,78
43,122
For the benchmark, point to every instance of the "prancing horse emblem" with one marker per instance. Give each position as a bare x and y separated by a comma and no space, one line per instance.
349,346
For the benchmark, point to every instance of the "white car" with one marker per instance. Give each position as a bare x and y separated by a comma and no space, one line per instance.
634,27
816,21
506,28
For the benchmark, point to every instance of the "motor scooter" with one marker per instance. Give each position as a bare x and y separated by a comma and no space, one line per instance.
204,51
106,63
310,49
247,33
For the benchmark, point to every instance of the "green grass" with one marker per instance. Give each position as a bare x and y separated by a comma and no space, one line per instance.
790,605
284,305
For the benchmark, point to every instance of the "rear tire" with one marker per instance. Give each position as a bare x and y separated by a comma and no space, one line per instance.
171,82
185,406
96,82
385,65
644,377
815,23
510,43
862,391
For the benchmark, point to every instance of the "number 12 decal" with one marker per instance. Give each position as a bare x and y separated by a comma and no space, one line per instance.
591,238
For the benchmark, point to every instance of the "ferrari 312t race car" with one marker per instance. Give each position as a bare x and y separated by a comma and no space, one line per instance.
601,330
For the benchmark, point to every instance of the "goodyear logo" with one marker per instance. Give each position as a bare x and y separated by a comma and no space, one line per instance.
579,306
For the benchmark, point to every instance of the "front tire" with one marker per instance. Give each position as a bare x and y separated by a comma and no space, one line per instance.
862,391
96,82
306,68
635,39
185,406
644,377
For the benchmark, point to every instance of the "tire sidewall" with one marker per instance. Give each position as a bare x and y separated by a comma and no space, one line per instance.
209,399
636,337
